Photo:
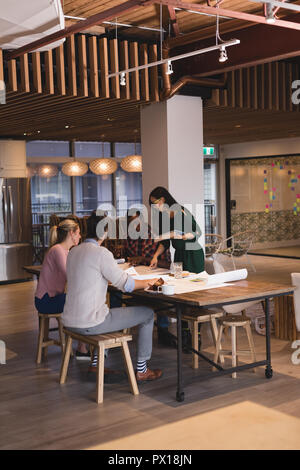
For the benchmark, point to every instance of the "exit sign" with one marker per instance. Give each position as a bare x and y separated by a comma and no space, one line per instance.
208,151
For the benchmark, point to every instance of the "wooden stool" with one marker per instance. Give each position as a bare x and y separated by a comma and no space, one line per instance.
234,321
44,341
197,315
101,342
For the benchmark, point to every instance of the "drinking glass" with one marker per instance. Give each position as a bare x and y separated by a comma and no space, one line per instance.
177,270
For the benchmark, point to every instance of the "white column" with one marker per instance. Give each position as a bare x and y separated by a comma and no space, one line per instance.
172,149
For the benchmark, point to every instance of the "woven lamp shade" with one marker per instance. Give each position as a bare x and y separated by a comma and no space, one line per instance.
47,171
75,168
103,166
132,163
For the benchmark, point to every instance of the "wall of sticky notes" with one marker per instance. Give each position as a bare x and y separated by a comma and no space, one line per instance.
266,184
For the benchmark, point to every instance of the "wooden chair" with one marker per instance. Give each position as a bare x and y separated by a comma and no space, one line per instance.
195,316
234,322
44,341
101,342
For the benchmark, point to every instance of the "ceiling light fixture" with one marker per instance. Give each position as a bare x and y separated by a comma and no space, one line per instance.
47,171
270,17
223,54
232,42
170,68
275,3
122,79
75,168
103,166
132,163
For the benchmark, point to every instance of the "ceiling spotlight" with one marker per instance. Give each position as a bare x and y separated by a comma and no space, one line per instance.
223,54
170,68
122,79
270,17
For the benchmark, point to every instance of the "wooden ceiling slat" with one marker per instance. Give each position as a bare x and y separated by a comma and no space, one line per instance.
104,68
12,76
154,88
49,76
93,54
144,73
114,67
36,72
124,65
24,72
134,62
1,66
60,70
71,61
82,61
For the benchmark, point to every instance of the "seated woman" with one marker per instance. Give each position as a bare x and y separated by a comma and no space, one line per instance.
50,293
90,267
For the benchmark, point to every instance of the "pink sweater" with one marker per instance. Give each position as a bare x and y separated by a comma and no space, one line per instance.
53,275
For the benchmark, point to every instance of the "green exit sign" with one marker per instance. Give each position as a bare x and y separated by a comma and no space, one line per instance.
208,151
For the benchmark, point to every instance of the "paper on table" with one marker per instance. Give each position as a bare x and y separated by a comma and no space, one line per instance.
219,278
131,271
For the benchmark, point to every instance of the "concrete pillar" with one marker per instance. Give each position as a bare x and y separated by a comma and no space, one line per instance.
172,149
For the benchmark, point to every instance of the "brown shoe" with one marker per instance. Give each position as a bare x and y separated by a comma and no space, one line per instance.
148,375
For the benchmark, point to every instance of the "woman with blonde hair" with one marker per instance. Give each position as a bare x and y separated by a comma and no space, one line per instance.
50,294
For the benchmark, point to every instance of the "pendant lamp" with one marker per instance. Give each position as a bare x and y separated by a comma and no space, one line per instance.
75,168
47,171
132,163
103,166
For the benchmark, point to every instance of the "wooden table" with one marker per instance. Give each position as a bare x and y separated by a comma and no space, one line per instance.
240,291
33,269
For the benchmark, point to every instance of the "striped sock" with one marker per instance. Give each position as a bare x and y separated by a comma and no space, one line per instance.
95,360
141,366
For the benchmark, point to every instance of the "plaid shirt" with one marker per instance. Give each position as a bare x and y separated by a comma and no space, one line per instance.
144,247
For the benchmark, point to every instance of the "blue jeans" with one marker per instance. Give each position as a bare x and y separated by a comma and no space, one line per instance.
50,304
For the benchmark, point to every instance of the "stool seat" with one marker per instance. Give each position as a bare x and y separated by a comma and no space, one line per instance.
101,342
44,340
197,315
238,320
235,321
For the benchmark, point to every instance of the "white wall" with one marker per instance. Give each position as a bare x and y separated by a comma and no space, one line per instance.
172,148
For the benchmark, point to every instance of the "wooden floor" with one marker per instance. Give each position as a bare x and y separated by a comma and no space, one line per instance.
37,413
282,251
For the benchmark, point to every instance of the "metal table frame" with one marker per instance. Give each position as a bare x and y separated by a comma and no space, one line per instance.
220,370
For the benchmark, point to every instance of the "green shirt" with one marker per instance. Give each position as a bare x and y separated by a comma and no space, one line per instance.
189,252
